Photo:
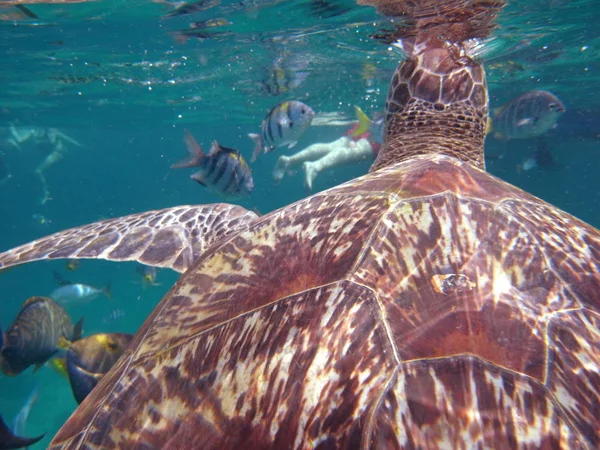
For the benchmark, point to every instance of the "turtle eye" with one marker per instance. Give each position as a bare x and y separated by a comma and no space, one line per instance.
553,106
303,111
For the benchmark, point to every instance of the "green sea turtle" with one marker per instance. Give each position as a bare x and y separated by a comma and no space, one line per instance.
425,305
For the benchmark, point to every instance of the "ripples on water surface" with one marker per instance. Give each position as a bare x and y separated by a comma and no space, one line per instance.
115,76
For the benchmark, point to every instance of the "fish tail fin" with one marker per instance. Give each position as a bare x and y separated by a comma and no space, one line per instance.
489,125
59,365
196,153
258,145
364,123
10,440
77,330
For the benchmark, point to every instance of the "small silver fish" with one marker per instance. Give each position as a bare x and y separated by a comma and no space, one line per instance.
114,315
529,115
78,294
224,170
283,125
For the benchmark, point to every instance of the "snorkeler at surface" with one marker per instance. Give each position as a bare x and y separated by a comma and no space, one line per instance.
360,143
51,141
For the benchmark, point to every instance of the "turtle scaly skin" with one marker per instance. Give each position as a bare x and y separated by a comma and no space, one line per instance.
438,103
427,305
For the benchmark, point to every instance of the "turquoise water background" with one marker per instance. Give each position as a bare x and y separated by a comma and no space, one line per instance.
110,75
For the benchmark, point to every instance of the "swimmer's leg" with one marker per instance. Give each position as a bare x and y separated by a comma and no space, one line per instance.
59,135
23,134
310,153
45,191
350,153
49,161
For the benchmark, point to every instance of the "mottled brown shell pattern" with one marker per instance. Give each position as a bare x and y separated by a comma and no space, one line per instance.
426,305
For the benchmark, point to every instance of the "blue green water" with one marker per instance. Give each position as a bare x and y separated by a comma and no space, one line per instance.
110,75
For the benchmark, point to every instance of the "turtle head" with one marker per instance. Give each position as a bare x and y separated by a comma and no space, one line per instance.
437,103
437,100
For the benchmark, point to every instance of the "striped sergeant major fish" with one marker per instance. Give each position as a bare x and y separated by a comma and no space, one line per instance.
283,125
530,114
286,72
224,170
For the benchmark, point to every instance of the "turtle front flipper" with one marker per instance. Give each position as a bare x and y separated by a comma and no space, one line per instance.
171,238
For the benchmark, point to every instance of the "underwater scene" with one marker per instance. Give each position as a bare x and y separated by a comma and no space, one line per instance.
115,107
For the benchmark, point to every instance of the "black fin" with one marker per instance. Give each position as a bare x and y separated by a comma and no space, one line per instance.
543,155
77,331
26,11
9,441
59,279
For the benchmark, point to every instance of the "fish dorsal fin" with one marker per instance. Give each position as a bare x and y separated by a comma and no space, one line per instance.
283,118
283,107
31,301
218,148
77,331
215,148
